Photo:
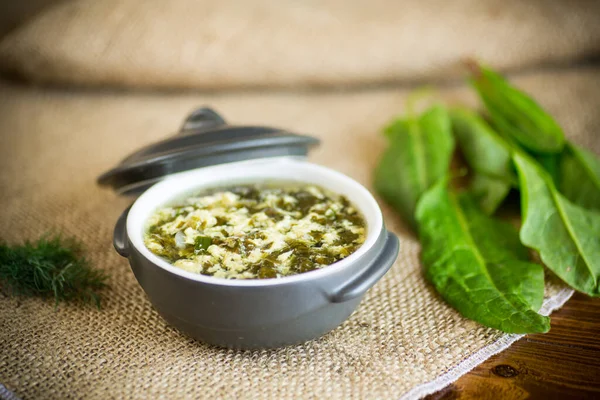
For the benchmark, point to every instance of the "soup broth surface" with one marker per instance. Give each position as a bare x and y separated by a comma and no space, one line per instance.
256,231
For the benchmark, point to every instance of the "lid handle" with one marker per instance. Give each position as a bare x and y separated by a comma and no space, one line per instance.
201,119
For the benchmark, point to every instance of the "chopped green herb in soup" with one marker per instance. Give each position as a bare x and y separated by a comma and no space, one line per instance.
255,231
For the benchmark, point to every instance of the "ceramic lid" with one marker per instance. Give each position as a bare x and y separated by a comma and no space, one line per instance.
204,139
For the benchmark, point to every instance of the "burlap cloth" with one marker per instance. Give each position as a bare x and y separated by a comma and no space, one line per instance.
402,341
231,43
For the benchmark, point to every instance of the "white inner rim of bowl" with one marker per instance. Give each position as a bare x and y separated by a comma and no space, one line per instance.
286,169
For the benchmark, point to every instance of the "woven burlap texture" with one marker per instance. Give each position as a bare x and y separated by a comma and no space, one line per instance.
54,145
230,43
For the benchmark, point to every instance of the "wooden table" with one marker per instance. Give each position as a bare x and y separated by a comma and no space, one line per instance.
561,364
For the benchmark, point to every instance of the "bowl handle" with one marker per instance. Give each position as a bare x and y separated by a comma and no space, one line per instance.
366,279
120,234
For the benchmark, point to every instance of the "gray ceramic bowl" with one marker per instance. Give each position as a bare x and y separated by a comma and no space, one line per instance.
259,313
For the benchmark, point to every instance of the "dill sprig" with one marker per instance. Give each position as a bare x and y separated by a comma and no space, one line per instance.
52,266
